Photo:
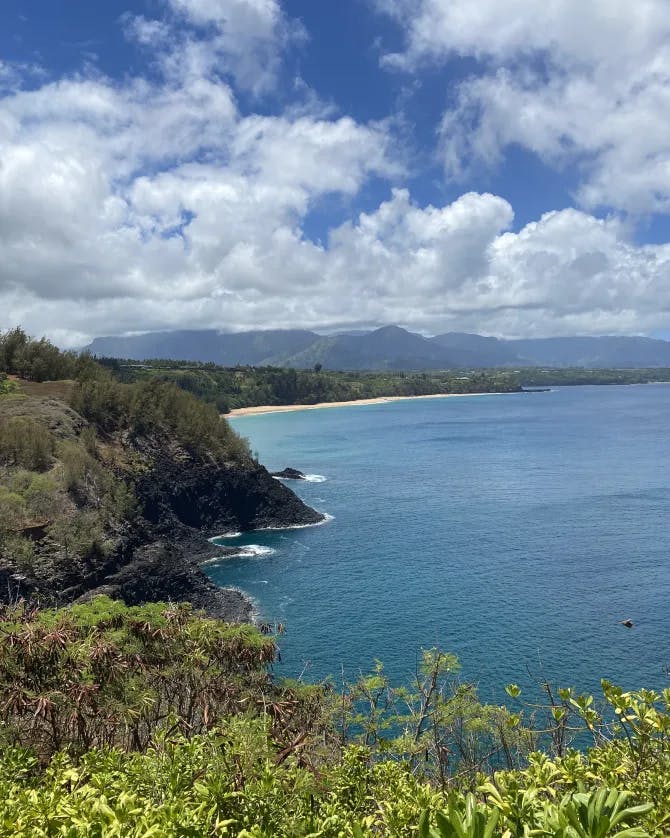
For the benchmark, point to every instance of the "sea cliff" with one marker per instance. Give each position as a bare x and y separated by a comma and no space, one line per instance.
130,511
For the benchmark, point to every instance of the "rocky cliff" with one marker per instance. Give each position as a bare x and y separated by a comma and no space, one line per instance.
150,505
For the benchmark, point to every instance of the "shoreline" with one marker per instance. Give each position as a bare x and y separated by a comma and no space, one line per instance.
260,410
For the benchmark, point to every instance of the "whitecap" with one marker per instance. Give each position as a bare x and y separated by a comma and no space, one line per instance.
215,560
315,478
250,551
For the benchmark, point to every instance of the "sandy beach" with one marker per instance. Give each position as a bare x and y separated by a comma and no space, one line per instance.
287,408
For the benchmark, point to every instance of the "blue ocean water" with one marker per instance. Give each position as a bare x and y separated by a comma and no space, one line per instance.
514,530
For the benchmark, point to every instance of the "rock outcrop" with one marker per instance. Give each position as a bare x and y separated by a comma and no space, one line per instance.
289,474
182,499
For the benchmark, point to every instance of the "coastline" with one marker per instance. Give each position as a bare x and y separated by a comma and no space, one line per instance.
260,410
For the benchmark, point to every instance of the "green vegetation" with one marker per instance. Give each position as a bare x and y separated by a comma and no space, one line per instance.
35,360
160,408
6,386
542,377
58,501
25,443
156,721
152,720
67,470
228,388
232,387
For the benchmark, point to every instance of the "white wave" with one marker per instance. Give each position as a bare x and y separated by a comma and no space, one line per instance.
225,535
307,478
217,560
327,518
250,551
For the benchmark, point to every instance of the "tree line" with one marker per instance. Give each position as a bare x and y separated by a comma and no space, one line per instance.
228,388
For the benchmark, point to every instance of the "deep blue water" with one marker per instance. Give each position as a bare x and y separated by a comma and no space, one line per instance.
514,530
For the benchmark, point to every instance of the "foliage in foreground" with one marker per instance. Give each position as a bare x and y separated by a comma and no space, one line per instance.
151,720
228,783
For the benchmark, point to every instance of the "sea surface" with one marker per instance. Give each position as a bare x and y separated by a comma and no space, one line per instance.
516,531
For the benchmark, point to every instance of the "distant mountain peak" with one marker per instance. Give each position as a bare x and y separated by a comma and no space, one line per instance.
389,347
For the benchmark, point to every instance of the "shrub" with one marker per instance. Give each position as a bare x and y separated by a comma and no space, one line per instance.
161,409
25,443
107,674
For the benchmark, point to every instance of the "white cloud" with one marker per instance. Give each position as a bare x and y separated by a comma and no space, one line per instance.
245,37
157,204
579,82
210,245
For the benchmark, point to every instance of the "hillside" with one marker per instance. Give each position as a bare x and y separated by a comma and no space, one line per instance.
387,348
258,348
116,488
127,713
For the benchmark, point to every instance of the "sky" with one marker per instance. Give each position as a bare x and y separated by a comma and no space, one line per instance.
497,166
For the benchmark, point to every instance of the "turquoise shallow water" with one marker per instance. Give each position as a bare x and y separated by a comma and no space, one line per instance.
514,530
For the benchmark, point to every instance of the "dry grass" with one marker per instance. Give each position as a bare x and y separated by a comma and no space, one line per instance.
47,389
50,411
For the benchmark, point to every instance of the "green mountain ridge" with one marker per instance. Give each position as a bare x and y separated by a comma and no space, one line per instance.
387,348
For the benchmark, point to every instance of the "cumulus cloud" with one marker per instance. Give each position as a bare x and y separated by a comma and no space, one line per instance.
244,38
147,204
154,204
579,82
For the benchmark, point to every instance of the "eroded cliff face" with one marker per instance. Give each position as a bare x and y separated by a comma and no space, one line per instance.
184,502
181,499
218,498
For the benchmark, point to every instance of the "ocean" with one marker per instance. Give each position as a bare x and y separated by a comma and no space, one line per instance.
516,531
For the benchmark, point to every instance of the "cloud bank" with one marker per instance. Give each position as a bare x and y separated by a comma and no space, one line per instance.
157,202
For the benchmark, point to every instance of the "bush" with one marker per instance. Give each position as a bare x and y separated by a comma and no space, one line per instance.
159,408
25,443
107,674
40,360
38,493
13,511
154,721
6,386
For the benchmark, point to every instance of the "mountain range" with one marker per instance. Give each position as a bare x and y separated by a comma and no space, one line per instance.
390,348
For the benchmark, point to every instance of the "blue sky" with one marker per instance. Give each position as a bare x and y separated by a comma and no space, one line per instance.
242,164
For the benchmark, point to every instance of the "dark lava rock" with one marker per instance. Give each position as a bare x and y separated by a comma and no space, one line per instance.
289,474
183,498
160,571
216,499
183,501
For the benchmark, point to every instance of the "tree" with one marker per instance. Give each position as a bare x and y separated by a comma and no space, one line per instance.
11,343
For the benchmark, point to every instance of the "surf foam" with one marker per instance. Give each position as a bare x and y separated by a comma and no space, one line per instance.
214,538
251,551
327,518
307,478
